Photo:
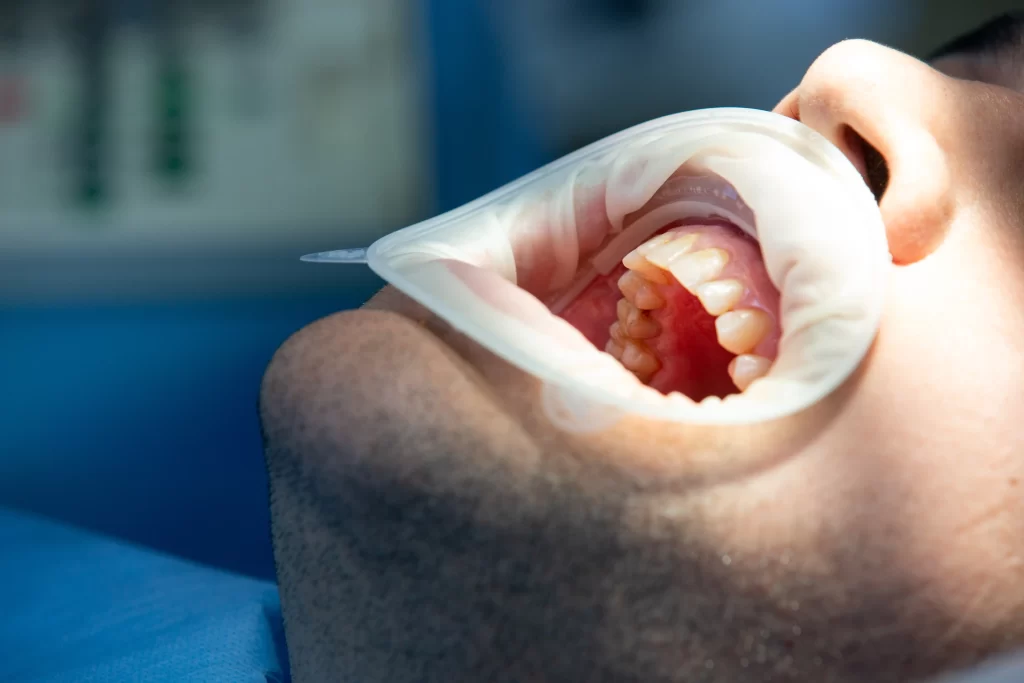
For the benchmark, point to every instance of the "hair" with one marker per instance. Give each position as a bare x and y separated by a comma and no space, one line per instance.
996,36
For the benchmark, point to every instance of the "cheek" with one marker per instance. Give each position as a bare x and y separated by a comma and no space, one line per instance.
930,448
914,488
949,361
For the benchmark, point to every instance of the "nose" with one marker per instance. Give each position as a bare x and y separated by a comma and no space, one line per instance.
858,91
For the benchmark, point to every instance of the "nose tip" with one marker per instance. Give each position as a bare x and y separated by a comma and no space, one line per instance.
862,91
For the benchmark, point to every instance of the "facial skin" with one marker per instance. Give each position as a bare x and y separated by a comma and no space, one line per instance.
430,525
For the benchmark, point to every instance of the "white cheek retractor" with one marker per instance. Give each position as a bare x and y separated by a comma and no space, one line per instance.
487,266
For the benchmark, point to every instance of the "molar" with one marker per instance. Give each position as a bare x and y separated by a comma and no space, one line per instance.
639,291
739,331
635,323
614,349
638,360
617,332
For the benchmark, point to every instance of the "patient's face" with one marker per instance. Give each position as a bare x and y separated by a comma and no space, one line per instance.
431,525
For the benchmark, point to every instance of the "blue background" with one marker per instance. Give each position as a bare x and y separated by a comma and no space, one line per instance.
138,419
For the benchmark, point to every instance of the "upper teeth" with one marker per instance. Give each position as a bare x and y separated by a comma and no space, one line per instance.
635,323
694,269
626,345
746,368
639,291
663,252
719,296
739,330
636,262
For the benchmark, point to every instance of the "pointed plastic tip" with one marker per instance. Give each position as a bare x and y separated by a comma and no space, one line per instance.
357,256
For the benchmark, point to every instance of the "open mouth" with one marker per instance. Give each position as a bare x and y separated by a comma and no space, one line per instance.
717,267
690,309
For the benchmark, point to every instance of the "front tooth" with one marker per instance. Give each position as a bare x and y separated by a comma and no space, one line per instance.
663,254
639,292
719,296
635,323
639,361
744,369
636,262
654,243
741,330
693,270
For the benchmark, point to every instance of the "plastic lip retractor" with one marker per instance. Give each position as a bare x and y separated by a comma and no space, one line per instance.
818,226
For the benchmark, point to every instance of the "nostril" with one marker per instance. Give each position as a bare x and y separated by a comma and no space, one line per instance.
878,171
907,173
869,160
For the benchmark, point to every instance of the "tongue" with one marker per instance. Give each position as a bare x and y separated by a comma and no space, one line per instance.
690,358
